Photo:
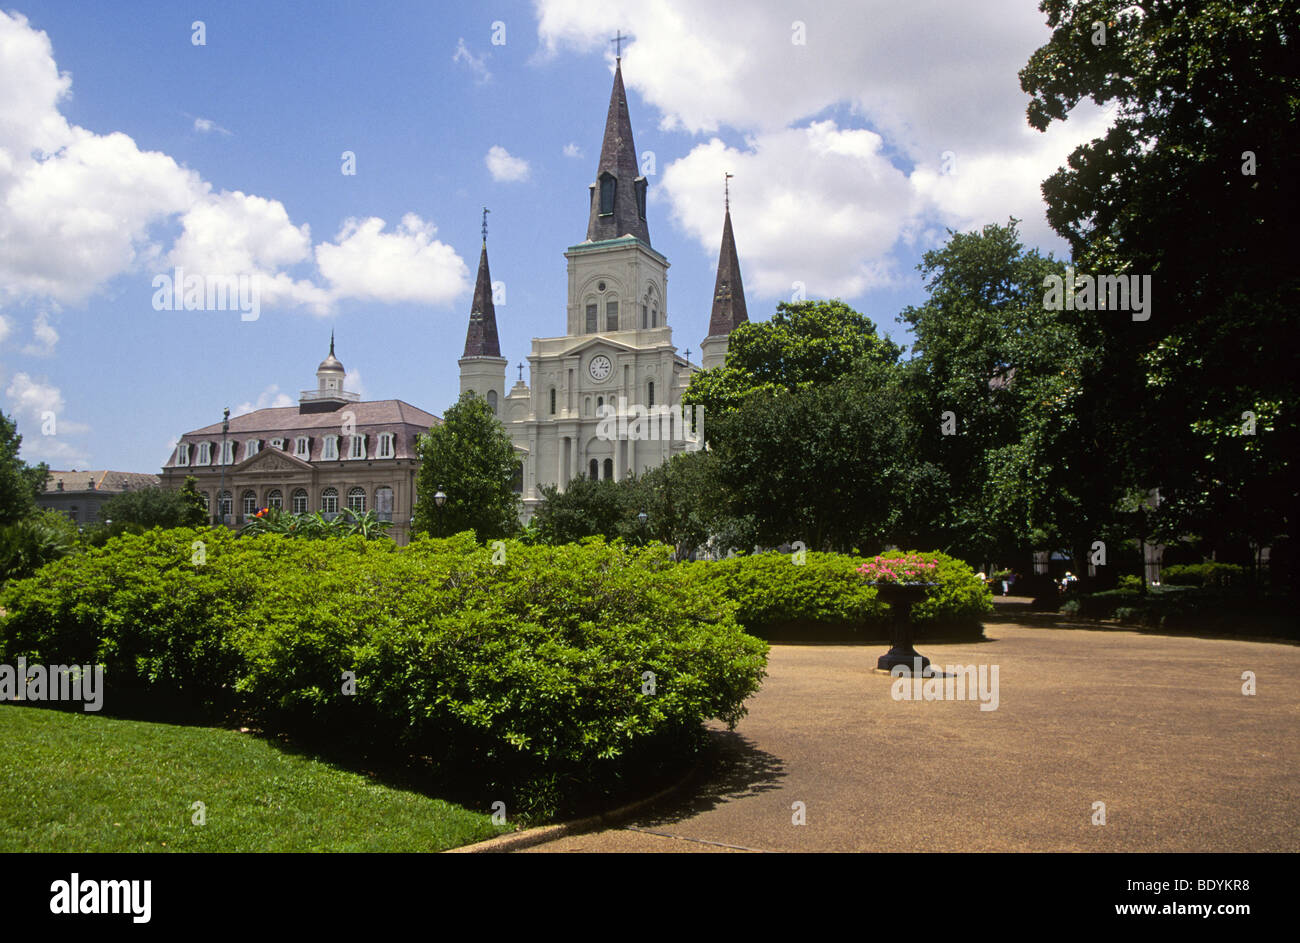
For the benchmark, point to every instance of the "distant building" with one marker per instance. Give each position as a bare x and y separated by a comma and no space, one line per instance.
331,451
80,494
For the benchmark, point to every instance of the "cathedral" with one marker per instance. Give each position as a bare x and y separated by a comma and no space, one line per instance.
604,398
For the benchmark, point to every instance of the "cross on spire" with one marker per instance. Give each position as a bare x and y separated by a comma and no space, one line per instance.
485,212
618,44
521,371
726,190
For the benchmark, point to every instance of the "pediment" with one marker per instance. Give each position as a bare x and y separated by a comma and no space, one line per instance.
272,460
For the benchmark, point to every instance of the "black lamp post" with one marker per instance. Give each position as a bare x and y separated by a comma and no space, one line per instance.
439,499
225,428
642,517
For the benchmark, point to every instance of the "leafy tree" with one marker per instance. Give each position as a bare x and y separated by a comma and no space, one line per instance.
802,344
1193,185
29,544
20,483
587,507
471,460
1007,386
831,465
155,507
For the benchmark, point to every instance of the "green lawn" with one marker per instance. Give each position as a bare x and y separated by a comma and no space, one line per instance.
75,782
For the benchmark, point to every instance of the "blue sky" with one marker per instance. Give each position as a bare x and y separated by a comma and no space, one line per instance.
126,149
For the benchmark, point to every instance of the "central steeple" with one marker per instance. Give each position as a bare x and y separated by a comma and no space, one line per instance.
618,197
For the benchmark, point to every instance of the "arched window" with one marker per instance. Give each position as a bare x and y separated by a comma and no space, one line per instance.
357,500
591,315
600,401
225,506
650,393
492,400
594,470
586,406
384,503
329,500
300,501
207,501
275,498
609,468
611,315
250,503
552,401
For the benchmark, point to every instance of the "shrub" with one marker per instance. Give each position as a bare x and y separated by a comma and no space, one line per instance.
1130,582
1220,575
772,591
526,677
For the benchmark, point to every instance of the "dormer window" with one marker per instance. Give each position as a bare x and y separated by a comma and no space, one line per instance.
182,454
205,453
277,444
357,447
252,447
607,185
385,445
227,453
301,447
331,448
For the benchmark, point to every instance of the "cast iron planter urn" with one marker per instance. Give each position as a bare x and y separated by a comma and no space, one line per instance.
900,597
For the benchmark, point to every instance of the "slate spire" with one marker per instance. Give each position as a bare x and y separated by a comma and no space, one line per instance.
728,290
481,338
618,196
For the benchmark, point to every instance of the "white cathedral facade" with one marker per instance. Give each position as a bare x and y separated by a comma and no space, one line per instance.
616,357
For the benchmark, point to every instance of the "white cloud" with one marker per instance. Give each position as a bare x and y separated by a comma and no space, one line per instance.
32,401
79,209
352,381
269,398
6,328
476,64
45,334
926,78
572,150
503,167
406,265
207,126
817,205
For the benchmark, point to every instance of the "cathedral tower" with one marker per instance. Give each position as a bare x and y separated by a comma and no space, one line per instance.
482,368
728,299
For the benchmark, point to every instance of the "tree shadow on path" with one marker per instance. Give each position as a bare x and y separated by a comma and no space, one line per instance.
730,768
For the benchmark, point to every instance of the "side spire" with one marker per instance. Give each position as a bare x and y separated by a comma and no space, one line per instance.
728,290
618,197
481,338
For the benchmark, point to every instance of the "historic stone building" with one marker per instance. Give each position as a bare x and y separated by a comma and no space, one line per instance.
617,355
80,494
331,451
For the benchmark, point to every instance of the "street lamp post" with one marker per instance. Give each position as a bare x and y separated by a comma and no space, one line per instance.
642,517
439,499
225,428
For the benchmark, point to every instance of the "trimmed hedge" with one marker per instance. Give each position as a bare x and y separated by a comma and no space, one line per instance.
776,595
527,676
1221,575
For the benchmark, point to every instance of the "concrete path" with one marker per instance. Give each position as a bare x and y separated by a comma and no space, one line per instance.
1156,727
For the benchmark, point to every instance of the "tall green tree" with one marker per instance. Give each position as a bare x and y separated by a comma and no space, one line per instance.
1007,415
471,460
20,483
1194,185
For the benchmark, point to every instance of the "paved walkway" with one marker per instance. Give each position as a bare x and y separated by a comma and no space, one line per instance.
1156,727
